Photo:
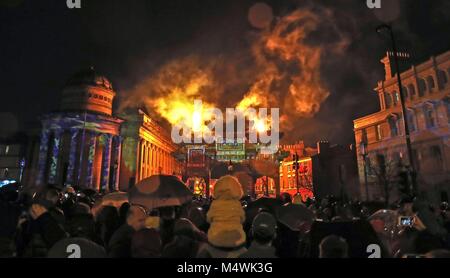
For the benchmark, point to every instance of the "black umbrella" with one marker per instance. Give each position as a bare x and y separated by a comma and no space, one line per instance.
76,247
295,216
159,191
264,203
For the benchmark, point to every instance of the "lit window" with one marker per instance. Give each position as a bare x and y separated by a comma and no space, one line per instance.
442,77
379,132
411,91
411,121
405,93
393,126
429,117
422,87
388,100
430,82
396,98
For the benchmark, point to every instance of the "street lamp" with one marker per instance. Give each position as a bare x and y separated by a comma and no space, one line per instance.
380,29
363,152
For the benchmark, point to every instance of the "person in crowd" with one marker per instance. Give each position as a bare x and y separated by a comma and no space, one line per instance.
38,233
120,243
196,214
333,246
186,242
263,230
405,242
168,216
285,198
107,222
297,199
82,224
226,236
123,211
9,214
146,243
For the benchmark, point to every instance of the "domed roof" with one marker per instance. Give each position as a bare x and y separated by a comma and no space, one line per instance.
89,77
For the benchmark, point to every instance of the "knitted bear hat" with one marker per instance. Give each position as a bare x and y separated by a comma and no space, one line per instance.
228,188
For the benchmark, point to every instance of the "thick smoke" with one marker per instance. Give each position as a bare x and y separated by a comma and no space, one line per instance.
284,72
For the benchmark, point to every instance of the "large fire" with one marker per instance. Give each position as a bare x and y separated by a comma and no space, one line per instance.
286,75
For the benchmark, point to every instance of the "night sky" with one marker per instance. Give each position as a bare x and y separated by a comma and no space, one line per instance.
43,43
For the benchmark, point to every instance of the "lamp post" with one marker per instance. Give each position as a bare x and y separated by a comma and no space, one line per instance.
379,30
363,152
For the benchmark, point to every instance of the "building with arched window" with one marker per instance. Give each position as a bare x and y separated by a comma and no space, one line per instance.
83,143
426,90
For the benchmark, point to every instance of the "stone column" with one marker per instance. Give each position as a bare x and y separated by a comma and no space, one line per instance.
117,143
72,156
90,159
43,149
106,163
55,154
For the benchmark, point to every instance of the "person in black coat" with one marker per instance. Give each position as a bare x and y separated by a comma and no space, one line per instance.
263,229
38,233
120,243
186,241
107,222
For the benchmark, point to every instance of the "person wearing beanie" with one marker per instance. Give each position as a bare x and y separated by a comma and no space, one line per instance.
264,228
226,236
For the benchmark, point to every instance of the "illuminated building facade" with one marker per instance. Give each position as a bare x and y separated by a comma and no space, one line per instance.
324,170
80,144
147,149
288,180
380,136
84,144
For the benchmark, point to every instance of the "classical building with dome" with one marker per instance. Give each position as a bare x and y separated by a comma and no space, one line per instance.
83,143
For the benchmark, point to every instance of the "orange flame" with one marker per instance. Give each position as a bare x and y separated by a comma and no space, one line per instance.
286,74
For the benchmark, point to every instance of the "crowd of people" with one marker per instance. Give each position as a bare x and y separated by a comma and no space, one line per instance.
46,222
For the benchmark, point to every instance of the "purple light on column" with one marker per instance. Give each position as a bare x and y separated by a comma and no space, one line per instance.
43,149
90,172
106,162
72,155
54,160
117,141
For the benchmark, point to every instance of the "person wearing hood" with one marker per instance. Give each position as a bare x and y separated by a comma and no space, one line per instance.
226,236
264,231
